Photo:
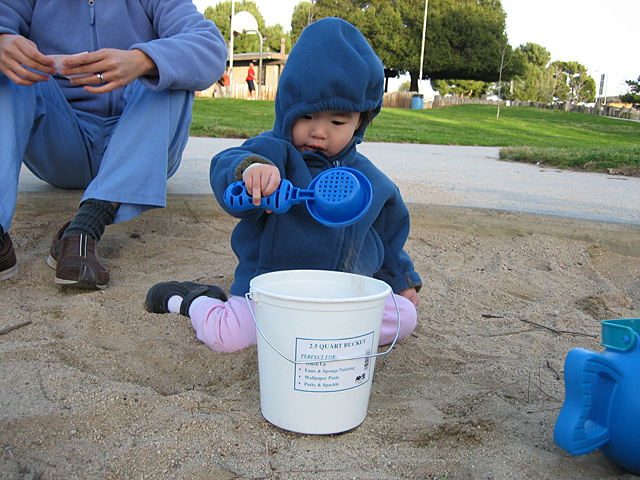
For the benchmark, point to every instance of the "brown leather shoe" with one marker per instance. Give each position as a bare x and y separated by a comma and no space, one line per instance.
8,262
75,258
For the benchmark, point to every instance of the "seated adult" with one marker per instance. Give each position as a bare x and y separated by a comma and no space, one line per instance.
97,95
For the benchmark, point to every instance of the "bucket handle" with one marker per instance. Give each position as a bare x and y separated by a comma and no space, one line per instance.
356,357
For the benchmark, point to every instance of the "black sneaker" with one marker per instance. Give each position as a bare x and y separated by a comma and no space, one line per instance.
159,295
8,262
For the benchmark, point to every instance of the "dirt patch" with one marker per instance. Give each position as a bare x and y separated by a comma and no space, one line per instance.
96,387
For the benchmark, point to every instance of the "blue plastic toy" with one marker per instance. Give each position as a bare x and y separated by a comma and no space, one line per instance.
602,400
337,197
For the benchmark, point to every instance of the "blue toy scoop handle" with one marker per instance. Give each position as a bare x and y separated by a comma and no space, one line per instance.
337,197
583,422
238,199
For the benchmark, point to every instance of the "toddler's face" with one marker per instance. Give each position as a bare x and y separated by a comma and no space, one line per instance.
327,131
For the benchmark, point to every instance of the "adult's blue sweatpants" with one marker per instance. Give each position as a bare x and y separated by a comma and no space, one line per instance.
125,159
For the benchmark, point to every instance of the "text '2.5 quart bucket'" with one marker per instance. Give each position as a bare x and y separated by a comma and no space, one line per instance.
318,334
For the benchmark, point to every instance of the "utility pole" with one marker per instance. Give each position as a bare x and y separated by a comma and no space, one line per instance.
424,32
233,8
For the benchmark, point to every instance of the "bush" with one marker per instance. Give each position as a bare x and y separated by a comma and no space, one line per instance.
619,160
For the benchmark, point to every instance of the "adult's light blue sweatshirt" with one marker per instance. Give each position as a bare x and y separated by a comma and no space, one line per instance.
188,50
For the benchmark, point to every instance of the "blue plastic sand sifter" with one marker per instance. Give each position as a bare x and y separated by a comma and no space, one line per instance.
337,197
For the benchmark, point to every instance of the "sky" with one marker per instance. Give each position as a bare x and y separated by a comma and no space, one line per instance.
598,34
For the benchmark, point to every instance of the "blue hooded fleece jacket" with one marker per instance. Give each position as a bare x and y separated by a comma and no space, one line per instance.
331,67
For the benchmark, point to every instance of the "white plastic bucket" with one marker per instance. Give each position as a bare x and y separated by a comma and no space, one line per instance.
318,334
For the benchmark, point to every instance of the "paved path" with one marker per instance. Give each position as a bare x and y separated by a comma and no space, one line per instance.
451,176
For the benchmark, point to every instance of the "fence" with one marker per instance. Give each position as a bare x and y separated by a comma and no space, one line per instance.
597,109
238,90
405,100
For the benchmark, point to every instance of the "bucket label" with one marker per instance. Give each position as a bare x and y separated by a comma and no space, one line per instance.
326,374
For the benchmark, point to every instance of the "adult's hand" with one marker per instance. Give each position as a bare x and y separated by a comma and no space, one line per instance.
116,68
19,54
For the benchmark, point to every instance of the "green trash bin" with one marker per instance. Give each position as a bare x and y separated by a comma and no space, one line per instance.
417,101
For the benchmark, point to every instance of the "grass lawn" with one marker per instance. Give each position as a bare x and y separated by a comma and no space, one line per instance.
555,138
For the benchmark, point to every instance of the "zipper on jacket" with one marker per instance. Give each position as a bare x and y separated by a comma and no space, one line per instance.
92,22
336,163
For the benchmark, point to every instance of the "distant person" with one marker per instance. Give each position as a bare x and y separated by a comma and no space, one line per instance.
226,83
321,117
112,119
218,88
222,86
251,76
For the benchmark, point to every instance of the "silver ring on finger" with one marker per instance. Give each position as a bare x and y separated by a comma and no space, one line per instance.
100,77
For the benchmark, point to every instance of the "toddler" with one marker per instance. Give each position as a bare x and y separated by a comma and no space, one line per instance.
329,91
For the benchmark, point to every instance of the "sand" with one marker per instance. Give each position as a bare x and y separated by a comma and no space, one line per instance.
94,387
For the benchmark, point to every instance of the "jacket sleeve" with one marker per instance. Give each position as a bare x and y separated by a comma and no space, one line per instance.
393,225
15,17
189,52
225,165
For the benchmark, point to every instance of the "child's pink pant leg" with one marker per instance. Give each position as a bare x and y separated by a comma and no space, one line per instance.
224,327
227,327
408,319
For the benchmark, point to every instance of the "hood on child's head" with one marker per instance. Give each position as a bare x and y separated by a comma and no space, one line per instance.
330,67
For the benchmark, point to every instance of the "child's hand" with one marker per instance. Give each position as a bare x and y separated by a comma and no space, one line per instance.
412,295
261,181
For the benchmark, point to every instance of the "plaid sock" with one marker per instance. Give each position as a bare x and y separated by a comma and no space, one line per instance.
92,217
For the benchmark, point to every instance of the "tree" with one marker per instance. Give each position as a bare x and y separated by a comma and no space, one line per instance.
536,81
463,88
381,23
535,54
573,82
404,87
463,37
542,81
503,63
634,95
537,84
273,36
511,64
221,16
304,14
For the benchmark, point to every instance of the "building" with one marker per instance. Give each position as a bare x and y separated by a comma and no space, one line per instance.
272,65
